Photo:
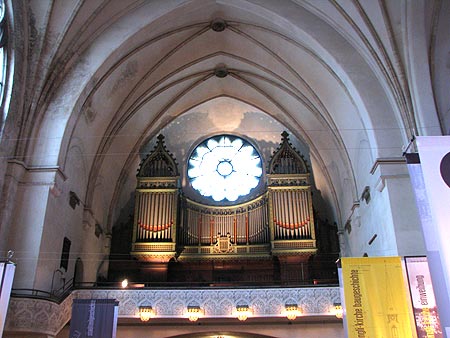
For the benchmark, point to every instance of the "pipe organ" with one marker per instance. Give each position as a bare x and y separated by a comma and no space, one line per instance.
155,215
278,224
244,224
156,202
291,212
292,216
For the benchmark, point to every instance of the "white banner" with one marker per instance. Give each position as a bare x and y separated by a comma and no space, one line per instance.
434,152
423,301
7,270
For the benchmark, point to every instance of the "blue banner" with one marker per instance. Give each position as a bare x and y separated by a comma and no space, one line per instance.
94,318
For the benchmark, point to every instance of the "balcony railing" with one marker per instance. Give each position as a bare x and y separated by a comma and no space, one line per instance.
31,314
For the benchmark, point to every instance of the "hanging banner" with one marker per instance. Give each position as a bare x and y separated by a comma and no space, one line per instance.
376,298
423,300
7,270
434,152
94,318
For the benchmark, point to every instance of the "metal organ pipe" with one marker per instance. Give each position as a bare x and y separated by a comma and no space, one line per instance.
308,215
139,216
157,216
145,221
151,215
172,216
222,225
246,228
211,224
235,228
286,216
168,218
305,203
291,222
200,225
288,208
163,218
165,221
277,214
250,224
303,212
165,224
298,205
266,223
200,229
160,222
144,213
147,209
255,225
286,213
295,223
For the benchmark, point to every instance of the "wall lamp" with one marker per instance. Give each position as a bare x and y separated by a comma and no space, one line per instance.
194,313
292,311
242,312
338,310
146,312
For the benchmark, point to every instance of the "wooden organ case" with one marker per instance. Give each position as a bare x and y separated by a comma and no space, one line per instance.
266,240
155,213
293,239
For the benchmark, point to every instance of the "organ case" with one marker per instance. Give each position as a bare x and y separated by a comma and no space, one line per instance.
276,227
156,204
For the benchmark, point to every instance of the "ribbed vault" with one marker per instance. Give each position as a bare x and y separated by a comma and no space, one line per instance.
119,72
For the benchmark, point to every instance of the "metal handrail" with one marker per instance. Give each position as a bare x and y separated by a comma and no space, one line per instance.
59,295
56,295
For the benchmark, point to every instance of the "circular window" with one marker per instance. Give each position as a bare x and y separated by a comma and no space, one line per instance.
224,167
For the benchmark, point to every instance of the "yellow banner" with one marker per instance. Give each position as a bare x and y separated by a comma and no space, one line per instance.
376,298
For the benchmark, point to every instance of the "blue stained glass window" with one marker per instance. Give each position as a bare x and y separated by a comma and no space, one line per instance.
224,167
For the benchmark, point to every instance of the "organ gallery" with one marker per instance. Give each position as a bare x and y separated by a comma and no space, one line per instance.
245,220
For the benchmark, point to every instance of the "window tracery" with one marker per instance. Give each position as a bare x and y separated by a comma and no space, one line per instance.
224,167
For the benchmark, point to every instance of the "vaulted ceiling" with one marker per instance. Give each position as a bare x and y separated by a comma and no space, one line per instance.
105,77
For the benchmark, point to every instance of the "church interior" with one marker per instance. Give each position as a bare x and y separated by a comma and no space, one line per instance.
210,156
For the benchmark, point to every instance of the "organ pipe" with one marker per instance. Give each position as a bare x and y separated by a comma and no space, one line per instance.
155,216
292,213
243,224
246,224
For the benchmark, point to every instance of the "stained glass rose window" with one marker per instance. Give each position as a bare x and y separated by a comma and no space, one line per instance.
224,167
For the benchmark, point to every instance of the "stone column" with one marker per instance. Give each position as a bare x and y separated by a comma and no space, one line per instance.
32,187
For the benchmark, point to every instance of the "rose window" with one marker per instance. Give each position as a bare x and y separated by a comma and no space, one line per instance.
224,167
